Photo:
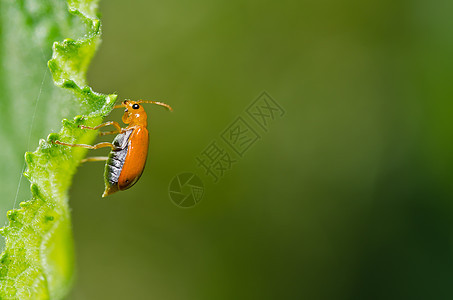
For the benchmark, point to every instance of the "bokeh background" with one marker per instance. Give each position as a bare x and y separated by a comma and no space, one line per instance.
347,196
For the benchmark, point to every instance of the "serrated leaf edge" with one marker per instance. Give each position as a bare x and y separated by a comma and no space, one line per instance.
74,81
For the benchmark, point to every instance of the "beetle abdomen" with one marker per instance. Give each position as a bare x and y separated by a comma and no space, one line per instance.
136,158
115,162
115,165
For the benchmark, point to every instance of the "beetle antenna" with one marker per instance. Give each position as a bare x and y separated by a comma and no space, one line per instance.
156,102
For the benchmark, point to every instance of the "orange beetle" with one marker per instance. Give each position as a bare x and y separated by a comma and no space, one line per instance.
127,158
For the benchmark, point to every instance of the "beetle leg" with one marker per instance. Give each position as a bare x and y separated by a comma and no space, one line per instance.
109,132
96,158
97,146
115,124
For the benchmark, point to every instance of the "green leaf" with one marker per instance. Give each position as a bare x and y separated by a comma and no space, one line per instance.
37,261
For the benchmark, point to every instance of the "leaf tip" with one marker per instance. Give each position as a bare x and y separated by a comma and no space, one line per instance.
67,123
14,216
52,64
29,157
96,26
25,204
42,143
68,41
69,84
87,90
52,137
78,119
35,191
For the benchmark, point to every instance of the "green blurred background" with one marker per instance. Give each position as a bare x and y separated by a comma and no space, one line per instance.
347,196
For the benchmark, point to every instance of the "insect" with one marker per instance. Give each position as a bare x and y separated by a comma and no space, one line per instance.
129,149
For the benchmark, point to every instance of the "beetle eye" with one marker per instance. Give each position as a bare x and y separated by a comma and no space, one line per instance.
135,106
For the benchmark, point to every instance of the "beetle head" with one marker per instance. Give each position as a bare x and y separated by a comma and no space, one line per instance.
134,113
